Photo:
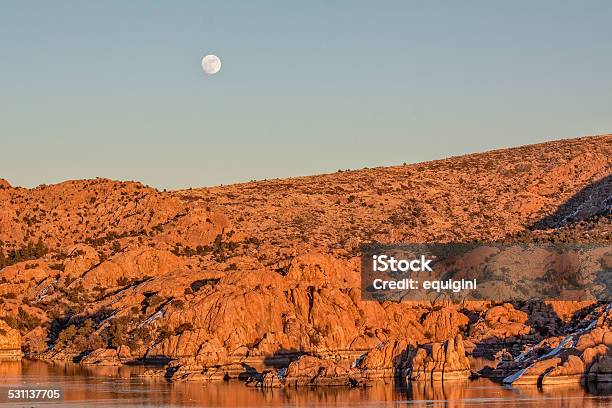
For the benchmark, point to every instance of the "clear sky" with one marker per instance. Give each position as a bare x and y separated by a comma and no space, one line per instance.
115,88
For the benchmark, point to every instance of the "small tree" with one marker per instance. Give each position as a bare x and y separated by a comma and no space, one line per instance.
118,331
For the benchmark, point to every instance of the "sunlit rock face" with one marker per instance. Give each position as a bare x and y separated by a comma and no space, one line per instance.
441,362
10,342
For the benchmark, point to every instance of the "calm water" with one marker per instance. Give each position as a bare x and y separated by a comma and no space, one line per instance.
121,386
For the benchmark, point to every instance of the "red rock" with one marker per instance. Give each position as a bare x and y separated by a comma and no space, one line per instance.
386,360
316,269
190,343
591,354
10,342
443,361
443,324
565,310
265,269
271,379
107,357
598,335
81,258
535,373
4,184
501,322
313,371
572,370
133,265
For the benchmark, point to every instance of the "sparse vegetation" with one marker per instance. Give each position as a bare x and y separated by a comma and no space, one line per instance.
25,253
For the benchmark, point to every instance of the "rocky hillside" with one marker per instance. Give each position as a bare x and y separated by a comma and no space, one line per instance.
204,280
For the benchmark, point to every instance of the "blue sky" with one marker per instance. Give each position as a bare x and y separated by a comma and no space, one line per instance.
115,89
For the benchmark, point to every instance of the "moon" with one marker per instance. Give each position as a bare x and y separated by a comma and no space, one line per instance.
211,64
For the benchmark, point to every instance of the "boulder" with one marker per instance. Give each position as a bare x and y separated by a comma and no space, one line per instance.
198,227
599,335
212,353
500,323
571,370
443,324
565,310
592,354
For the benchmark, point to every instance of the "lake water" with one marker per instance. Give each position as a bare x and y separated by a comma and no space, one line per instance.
121,387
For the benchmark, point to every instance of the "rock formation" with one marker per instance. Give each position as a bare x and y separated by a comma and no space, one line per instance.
309,371
10,342
440,361
231,281
108,357
580,356
501,323
387,360
312,371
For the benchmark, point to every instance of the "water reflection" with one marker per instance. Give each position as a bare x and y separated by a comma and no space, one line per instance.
122,386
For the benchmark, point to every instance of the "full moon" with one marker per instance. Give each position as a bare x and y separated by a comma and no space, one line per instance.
211,64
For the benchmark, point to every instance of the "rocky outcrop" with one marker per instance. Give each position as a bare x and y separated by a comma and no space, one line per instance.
440,362
269,379
313,371
597,336
4,184
578,357
133,265
198,355
10,342
442,324
572,370
535,372
501,323
80,259
198,227
189,343
23,273
308,371
190,370
387,360
108,357
431,362
565,310
318,269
